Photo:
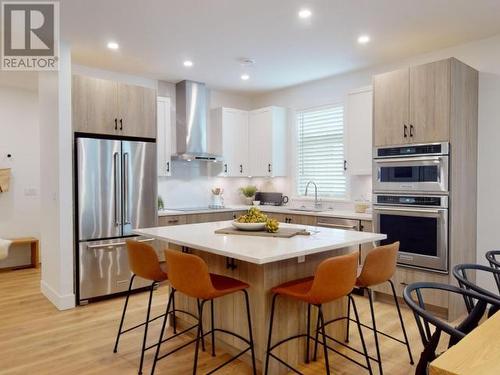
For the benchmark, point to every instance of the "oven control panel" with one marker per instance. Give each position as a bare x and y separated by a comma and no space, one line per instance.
412,200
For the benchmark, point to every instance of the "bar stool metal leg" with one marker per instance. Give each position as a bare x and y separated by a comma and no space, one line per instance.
308,338
365,350
348,320
375,333
402,322
146,327
201,324
323,333
316,340
199,336
162,332
174,320
123,314
273,305
250,334
212,326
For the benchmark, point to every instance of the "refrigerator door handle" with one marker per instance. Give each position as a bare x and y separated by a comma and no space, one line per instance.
126,193
117,187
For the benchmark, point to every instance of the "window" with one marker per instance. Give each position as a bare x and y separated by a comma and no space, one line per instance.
320,151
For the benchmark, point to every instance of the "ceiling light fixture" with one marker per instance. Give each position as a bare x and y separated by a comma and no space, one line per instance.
188,63
305,13
113,45
245,77
363,39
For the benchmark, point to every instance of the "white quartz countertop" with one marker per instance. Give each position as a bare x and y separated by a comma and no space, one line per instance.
277,209
258,250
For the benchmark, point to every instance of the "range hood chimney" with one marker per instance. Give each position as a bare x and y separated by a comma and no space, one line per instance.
191,124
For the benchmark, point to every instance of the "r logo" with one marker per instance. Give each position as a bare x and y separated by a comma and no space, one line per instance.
30,35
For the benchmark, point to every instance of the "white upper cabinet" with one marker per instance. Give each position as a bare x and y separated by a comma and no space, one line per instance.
251,143
267,142
232,127
359,131
164,137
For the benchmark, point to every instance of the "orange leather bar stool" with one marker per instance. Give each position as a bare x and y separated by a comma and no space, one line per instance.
378,268
143,262
188,274
334,278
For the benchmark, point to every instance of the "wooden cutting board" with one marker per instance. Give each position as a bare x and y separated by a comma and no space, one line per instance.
282,232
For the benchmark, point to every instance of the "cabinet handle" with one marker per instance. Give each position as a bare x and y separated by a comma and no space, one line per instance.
405,129
411,130
269,168
173,221
345,165
241,168
121,124
168,166
225,168
116,124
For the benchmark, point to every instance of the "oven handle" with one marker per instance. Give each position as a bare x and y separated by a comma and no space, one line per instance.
421,210
435,159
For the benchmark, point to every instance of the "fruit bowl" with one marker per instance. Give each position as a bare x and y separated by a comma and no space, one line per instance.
249,226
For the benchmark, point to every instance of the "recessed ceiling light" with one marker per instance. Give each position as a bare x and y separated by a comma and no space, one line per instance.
305,13
113,45
363,39
188,63
245,77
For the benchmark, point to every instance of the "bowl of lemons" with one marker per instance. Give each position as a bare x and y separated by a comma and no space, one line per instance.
253,220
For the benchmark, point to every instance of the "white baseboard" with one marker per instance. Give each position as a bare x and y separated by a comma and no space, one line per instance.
62,302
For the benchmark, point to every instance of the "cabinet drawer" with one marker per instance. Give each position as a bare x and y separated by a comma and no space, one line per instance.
165,221
405,276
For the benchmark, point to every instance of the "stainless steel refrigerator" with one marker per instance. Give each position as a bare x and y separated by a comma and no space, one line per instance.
116,193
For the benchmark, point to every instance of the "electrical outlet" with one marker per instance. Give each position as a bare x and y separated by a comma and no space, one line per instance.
31,192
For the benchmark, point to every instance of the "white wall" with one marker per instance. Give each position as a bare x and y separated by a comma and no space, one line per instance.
19,136
484,55
56,189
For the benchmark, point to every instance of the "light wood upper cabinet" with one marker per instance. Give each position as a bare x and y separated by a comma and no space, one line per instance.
164,137
94,105
412,105
391,107
430,92
107,107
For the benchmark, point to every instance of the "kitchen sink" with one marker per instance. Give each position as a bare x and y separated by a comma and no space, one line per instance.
308,209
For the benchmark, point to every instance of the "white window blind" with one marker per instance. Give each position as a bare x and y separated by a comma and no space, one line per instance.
320,150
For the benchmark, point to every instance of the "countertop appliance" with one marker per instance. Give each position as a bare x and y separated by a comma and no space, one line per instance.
271,199
420,223
411,168
116,192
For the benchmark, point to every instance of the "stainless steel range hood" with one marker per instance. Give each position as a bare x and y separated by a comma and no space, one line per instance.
191,126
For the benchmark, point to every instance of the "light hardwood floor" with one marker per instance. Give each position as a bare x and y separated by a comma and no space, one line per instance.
36,338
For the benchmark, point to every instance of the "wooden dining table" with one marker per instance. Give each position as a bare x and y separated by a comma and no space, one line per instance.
478,353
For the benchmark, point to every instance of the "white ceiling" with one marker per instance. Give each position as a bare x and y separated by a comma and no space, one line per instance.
156,36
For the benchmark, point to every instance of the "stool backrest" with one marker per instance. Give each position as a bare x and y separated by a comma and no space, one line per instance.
334,278
493,257
143,261
380,265
189,274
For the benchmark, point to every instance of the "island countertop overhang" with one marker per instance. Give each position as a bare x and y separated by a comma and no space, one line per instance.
258,250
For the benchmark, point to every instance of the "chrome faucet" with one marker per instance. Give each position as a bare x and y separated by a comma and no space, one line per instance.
317,204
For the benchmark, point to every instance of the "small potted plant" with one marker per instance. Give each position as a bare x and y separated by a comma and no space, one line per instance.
248,193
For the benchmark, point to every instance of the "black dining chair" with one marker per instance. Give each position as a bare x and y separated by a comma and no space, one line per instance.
425,319
462,273
493,258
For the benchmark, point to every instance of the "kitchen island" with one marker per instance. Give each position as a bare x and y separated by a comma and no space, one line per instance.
262,262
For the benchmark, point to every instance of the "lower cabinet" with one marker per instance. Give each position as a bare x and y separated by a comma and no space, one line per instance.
164,221
208,217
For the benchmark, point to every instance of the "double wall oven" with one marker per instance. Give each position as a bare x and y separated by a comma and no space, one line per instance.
411,185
